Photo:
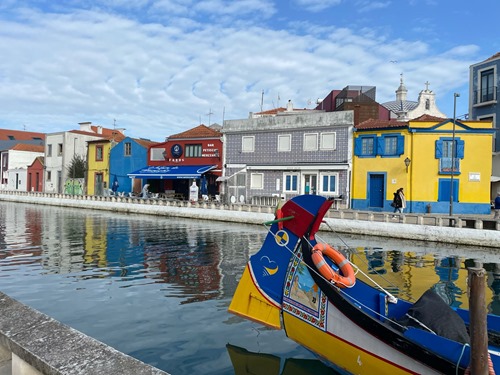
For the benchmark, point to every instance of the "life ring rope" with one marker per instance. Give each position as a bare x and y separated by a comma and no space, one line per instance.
345,280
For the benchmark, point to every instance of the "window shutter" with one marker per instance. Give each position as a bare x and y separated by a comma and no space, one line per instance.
460,148
401,145
379,145
439,149
357,146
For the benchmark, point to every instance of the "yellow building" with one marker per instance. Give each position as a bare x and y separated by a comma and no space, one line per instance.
418,156
98,164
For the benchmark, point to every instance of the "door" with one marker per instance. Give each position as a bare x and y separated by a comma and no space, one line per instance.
444,193
98,184
376,189
310,184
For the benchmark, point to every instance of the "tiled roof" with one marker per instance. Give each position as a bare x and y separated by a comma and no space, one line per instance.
270,112
145,142
116,136
19,135
87,133
28,147
380,124
201,131
41,159
429,118
494,57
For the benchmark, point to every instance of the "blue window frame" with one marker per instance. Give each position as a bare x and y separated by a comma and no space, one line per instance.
391,145
365,146
444,152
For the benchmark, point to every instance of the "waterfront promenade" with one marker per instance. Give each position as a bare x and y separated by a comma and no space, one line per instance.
478,230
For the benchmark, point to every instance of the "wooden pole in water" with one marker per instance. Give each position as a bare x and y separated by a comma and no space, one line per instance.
478,328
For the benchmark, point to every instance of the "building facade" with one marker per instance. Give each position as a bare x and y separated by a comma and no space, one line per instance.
443,167
288,154
187,158
483,97
127,156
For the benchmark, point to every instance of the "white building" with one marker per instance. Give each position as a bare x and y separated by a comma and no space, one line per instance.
18,159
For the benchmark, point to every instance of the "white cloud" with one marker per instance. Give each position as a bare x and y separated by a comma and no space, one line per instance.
317,5
162,78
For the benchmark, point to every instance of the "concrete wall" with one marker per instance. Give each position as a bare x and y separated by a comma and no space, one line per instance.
32,343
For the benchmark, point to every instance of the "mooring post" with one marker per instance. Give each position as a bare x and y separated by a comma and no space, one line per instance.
478,329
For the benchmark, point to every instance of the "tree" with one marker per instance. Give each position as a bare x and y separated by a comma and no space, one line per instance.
77,167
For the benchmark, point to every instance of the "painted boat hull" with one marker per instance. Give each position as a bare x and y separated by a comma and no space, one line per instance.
347,327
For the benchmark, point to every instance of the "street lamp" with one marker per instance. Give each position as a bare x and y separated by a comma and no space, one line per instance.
455,96
407,163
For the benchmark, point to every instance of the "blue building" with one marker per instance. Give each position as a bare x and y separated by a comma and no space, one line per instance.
483,97
126,157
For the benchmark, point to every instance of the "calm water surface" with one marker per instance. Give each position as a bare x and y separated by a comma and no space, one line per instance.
158,288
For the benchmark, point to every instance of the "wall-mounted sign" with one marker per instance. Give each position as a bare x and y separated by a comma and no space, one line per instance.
176,150
474,176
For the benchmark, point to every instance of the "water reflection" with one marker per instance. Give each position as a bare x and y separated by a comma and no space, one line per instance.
158,288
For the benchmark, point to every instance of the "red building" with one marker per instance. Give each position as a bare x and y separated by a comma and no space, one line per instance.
35,175
193,155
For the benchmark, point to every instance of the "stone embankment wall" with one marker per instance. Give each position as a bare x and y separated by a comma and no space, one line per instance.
31,343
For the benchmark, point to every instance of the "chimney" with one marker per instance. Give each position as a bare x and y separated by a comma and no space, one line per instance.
99,129
86,126
289,106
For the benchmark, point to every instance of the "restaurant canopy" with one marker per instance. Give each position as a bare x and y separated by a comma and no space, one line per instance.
171,172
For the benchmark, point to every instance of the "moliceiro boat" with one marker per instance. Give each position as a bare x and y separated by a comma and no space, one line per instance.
312,291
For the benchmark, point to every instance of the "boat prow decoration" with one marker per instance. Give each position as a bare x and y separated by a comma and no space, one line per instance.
259,294
361,328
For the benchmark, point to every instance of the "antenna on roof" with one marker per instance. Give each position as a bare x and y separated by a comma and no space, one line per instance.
209,114
114,123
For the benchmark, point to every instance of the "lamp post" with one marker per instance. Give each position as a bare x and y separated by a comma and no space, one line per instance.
407,163
455,96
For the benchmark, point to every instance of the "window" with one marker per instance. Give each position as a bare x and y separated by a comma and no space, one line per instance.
328,141
449,155
59,149
247,144
11,137
390,145
365,146
284,143
49,175
290,182
427,104
329,183
49,150
127,151
98,153
310,142
487,86
193,151
257,181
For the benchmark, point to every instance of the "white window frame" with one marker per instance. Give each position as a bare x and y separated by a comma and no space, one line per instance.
284,143
257,181
248,143
308,138
296,175
322,188
324,144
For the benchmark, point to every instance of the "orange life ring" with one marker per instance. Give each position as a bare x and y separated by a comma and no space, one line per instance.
347,279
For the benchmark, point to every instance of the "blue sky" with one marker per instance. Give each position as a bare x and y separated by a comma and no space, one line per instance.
159,67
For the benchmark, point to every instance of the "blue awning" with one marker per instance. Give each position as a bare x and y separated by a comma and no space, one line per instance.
171,172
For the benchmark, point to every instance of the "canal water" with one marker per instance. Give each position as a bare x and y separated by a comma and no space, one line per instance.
158,288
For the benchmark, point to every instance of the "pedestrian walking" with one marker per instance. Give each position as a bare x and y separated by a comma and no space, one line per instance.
497,206
399,202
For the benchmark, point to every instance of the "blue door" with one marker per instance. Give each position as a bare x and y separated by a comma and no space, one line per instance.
444,190
376,189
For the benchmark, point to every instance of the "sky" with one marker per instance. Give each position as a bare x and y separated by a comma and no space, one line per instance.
159,67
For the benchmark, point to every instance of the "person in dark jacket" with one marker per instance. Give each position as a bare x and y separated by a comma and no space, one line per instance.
399,202
497,206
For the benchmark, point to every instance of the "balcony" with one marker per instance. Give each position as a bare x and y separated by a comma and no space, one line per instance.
485,96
